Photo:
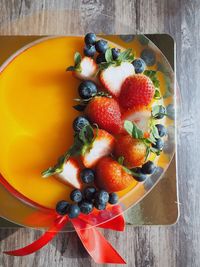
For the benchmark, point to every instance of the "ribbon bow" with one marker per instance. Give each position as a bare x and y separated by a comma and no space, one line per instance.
93,241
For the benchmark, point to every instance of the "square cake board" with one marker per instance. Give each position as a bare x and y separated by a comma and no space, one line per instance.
160,206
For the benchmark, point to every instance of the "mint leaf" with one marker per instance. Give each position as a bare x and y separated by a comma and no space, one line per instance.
152,74
126,56
133,130
108,55
77,59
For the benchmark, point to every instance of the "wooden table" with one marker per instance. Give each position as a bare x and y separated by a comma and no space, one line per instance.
170,246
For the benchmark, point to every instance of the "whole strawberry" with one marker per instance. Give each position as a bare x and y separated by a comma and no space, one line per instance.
111,176
136,90
133,150
105,112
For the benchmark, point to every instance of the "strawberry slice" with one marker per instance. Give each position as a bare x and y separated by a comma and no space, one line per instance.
70,173
113,77
102,146
85,68
140,115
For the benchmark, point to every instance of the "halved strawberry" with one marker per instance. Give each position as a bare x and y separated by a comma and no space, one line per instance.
85,68
132,150
140,115
102,146
111,176
105,112
113,77
70,174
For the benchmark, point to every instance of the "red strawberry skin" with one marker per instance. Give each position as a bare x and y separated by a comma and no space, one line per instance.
111,176
106,113
133,151
136,90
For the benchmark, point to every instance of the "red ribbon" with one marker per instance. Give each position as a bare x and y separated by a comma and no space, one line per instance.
93,241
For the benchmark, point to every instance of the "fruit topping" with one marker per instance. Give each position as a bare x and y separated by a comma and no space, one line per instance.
87,176
85,68
62,207
89,193
113,198
73,211
86,207
76,195
148,167
158,112
101,46
79,123
159,144
139,175
101,197
115,53
87,89
139,65
162,131
111,176
90,38
136,90
105,112
100,58
89,50
101,146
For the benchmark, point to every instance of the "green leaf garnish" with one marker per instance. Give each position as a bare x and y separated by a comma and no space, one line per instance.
126,55
156,110
77,59
108,55
133,130
157,95
152,74
121,160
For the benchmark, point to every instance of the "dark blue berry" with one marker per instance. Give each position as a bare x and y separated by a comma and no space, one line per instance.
159,144
148,56
76,195
89,192
148,167
102,196
101,46
73,211
113,198
90,38
87,175
162,131
115,53
86,207
79,123
139,65
99,206
87,89
140,177
161,113
89,50
62,207
100,58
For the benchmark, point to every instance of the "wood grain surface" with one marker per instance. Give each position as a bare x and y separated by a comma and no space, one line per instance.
170,246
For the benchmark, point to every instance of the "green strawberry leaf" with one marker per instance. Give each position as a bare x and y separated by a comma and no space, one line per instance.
157,95
121,160
70,68
126,55
133,130
155,132
152,74
155,151
77,59
86,135
156,111
105,65
79,108
108,55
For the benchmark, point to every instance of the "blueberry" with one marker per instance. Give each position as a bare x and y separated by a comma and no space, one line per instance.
62,207
101,46
161,113
86,207
76,195
139,65
79,123
148,56
87,175
115,53
90,38
148,167
99,206
162,131
87,89
73,211
89,192
89,50
140,177
159,144
113,198
102,196
100,58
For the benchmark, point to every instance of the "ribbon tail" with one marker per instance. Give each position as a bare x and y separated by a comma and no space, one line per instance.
96,244
42,241
117,224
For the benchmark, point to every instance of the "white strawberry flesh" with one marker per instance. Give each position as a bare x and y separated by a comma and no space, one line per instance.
70,174
113,77
88,69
